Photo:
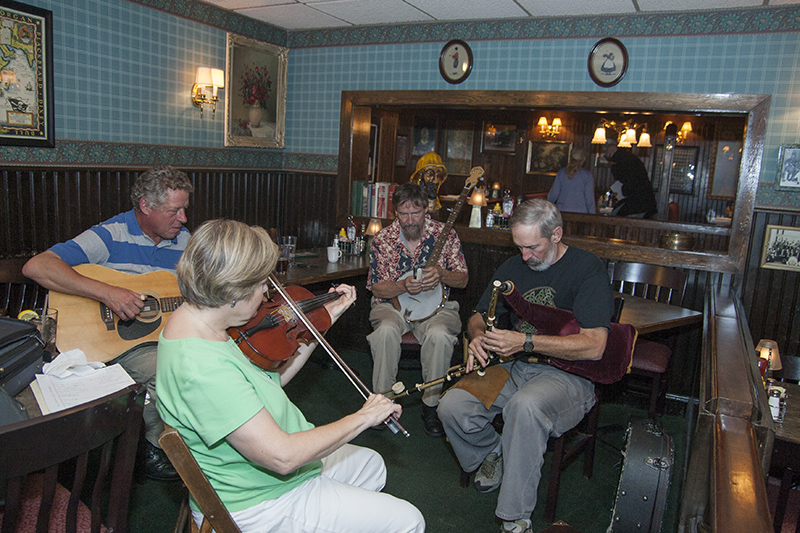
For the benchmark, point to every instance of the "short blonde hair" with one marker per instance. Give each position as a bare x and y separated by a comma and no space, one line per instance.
225,261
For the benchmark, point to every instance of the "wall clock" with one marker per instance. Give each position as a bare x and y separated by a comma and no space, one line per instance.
608,62
455,61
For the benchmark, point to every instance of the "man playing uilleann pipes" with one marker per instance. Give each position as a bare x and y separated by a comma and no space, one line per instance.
537,400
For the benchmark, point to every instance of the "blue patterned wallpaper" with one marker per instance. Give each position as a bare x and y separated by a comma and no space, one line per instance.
124,70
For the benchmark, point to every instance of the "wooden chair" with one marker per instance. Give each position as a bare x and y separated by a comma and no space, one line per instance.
215,515
17,292
64,469
663,284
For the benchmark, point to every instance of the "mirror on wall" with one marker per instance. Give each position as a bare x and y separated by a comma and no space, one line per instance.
513,136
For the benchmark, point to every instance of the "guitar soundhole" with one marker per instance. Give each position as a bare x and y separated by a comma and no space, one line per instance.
152,308
132,330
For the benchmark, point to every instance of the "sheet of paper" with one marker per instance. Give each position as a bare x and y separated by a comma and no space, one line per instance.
63,393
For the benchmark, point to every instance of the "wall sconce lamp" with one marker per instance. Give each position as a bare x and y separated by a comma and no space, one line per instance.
477,200
683,133
207,77
769,356
549,130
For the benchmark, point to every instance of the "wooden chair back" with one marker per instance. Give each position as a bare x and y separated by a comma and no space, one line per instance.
16,291
653,282
215,515
73,468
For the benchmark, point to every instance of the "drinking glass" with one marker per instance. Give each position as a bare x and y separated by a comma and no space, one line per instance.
289,244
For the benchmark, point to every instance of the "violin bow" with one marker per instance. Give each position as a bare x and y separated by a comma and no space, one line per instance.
390,422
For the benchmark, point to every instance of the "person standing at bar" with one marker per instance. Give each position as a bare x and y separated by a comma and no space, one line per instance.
639,199
573,188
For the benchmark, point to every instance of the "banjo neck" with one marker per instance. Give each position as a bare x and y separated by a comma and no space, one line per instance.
472,180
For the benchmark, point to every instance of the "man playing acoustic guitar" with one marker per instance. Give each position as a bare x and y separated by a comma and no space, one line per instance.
147,238
537,400
402,247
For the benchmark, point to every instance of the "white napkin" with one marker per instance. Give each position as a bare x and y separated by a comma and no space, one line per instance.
71,363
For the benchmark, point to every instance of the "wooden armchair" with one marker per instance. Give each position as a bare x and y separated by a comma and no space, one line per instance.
215,515
653,282
71,470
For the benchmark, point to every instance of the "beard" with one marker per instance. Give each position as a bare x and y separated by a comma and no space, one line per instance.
544,264
412,231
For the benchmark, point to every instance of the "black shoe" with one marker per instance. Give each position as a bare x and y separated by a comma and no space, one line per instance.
158,466
433,426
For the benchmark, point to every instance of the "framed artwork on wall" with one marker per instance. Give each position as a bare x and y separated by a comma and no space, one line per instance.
547,157
608,62
401,151
684,169
788,168
424,136
499,137
458,148
27,114
455,61
255,93
725,176
781,248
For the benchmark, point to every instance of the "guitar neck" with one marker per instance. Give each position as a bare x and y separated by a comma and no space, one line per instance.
451,220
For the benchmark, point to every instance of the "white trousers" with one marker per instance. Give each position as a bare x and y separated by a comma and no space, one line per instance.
345,498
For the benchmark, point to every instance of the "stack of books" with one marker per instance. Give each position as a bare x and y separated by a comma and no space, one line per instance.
372,199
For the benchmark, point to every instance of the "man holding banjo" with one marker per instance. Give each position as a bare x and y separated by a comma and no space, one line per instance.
400,271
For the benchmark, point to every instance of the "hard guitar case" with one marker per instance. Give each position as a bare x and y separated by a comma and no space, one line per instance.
645,478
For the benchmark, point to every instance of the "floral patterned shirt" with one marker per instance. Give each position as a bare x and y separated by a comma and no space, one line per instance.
390,258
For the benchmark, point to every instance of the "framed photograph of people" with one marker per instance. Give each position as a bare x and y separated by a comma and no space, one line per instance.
547,157
255,93
788,168
27,114
781,248
499,137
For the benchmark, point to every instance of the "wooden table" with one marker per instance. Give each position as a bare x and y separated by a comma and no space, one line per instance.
785,452
648,316
312,266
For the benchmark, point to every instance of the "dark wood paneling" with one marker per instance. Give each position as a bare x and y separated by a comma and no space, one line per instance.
45,206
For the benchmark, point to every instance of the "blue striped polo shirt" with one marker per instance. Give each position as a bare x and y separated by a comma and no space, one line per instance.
120,243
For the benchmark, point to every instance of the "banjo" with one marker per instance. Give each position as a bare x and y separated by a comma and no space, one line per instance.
418,307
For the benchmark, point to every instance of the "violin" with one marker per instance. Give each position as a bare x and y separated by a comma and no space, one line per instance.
274,333
299,315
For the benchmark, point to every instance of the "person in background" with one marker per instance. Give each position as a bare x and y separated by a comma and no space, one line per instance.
147,238
537,400
573,188
397,249
272,469
639,200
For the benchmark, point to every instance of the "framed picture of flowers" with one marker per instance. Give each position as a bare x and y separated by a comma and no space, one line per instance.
255,93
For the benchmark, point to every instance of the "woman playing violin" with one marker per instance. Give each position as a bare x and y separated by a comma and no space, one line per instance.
273,470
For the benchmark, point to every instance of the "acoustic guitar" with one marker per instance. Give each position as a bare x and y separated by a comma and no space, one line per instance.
418,307
92,327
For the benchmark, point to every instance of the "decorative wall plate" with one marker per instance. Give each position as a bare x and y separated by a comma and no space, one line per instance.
608,62
455,61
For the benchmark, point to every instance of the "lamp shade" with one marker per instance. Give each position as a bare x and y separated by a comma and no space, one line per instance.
204,76
599,136
644,140
768,349
687,127
373,227
542,122
557,122
218,77
478,197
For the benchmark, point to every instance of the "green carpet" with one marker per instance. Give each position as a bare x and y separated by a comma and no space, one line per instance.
424,471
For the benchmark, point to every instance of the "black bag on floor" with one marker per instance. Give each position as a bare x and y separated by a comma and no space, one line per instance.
21,354
644,482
